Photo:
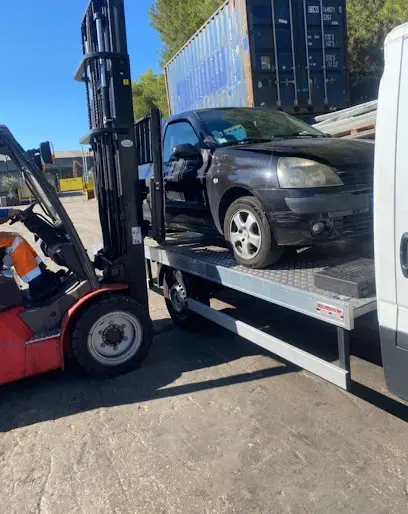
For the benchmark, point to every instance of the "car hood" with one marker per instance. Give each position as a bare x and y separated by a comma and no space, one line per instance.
335,152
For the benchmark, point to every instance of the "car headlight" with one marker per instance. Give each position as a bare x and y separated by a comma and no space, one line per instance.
295,173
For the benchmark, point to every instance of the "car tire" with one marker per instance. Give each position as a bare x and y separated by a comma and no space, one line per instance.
94,347
248,232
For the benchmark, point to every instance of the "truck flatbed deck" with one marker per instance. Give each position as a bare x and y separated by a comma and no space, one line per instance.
289,284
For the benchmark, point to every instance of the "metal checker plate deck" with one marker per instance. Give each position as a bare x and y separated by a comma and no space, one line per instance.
290,283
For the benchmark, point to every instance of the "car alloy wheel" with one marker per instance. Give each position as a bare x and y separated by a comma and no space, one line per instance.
245,234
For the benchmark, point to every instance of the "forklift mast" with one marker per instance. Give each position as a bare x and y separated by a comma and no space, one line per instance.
105,70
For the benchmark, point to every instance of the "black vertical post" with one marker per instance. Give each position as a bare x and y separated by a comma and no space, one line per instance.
156,181
149,271
105,68
343,341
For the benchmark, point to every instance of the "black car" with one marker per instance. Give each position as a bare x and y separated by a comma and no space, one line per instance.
264,180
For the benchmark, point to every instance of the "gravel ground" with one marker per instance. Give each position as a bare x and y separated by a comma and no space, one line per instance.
209,424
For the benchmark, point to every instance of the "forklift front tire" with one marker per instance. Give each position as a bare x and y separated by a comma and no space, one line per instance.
111,337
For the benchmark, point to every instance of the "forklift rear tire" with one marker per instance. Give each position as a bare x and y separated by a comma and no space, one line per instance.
177,301
112,336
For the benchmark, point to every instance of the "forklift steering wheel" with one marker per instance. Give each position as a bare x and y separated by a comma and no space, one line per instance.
22,215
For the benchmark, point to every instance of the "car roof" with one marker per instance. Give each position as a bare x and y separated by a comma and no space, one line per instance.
197,112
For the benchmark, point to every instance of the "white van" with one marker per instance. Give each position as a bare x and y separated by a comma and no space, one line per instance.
391,211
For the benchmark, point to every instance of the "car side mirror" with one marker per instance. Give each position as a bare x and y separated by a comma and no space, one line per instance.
186,151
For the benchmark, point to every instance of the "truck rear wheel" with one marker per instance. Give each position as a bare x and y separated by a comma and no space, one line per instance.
112,336
177,293
247,230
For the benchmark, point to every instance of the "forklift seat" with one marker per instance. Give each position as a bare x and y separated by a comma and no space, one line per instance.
10,294
13,295
68,280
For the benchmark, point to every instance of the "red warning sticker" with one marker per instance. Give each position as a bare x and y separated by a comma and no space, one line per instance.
330,311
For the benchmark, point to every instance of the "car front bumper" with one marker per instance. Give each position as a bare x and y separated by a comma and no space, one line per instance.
343,214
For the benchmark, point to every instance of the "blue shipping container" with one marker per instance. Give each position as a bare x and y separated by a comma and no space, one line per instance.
288,54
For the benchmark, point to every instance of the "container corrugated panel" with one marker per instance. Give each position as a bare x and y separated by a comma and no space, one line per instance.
289,54
209,70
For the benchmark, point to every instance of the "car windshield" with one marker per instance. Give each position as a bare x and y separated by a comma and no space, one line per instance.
246,125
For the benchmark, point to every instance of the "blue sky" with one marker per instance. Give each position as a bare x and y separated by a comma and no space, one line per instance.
39,99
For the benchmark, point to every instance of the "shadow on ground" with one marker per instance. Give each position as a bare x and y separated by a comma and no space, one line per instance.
71,195
319,338
176,352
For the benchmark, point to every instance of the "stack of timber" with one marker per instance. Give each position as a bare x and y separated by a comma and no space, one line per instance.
353,123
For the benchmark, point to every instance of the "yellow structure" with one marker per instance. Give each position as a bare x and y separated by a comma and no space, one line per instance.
88,186
89,190
71,184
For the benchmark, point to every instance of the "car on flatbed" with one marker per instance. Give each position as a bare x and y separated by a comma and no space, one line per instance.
263,180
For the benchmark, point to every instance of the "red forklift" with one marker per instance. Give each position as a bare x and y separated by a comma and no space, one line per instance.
99,315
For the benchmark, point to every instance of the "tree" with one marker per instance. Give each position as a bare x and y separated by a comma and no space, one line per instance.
149,91
9,184
177,20
368,24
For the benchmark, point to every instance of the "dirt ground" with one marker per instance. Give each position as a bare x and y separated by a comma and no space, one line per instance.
209,424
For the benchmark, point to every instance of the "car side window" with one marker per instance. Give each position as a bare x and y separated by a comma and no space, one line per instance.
178,133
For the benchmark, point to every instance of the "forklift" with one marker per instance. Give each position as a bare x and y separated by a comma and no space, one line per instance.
99,314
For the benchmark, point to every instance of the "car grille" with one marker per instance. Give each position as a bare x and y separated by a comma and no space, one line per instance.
360,223
359,178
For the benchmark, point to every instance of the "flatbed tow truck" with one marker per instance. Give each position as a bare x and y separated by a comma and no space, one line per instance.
187,270
290,285
334,284
351,282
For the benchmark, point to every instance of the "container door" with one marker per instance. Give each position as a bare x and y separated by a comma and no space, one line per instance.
282,19
298,50
326,74
272,44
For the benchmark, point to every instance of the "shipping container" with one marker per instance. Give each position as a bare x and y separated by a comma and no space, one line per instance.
287,54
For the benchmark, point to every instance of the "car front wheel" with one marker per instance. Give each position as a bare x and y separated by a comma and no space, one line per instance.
247,230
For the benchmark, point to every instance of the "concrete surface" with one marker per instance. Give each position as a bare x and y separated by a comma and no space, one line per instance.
209,424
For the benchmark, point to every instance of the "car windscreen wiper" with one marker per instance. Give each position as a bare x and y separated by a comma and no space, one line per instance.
297,134
249,140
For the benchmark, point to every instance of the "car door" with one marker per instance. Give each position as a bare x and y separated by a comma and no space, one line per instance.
183,181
